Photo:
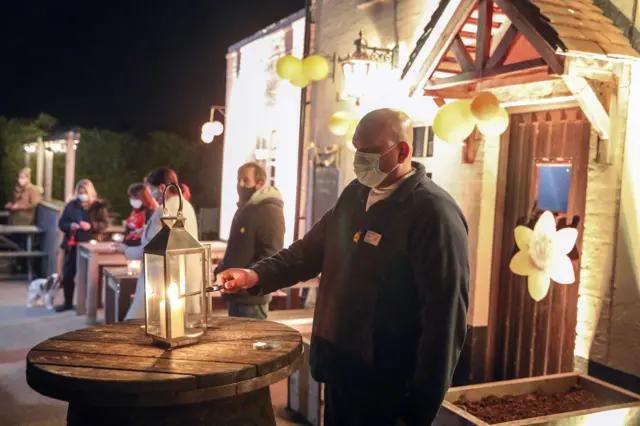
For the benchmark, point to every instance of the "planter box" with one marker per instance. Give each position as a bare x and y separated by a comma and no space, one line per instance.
623,410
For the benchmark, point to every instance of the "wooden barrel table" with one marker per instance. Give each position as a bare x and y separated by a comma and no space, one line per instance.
113,375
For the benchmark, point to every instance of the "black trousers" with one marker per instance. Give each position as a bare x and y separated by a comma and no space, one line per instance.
69,275
360,406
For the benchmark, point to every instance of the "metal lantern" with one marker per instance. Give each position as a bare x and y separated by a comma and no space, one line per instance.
359,66
177,272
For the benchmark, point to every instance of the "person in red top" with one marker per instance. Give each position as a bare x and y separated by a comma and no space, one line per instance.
186,192
143,205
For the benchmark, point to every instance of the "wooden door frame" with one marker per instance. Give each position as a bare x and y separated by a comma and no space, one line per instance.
498,231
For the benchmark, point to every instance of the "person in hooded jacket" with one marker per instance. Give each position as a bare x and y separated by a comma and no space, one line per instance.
257,232
27,197
23,211
83,219
390,318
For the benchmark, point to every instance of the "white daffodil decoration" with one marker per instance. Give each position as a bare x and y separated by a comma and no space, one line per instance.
543,255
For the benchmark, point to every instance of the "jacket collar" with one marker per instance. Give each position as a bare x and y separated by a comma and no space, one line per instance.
405,188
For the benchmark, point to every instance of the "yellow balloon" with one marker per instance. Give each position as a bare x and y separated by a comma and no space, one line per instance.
485,106
315,67
300,81
339,123
289,67
497,125
353,124
453,122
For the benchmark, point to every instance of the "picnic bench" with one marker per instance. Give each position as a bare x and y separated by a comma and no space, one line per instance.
15,251
113,375
4,215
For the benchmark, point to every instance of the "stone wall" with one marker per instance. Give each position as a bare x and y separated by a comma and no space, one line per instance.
608,331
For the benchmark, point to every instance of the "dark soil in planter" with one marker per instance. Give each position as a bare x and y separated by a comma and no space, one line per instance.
498,409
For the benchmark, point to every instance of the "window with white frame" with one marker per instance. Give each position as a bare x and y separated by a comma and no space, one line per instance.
423,139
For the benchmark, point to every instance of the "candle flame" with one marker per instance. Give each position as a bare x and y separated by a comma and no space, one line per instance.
173,291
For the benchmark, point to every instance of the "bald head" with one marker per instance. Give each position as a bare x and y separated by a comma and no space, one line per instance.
383,126
387,132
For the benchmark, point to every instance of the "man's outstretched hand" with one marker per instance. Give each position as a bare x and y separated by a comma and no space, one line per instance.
235,280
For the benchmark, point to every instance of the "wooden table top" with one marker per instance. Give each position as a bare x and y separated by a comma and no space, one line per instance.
117,364
19,229
100,247
119,272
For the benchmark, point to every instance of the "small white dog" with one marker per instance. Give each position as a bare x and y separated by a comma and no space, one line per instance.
43,291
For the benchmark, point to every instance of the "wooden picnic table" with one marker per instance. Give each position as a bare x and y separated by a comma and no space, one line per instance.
15,250
113,375
91,258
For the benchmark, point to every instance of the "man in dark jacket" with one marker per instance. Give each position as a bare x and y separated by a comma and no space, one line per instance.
390,318
257,232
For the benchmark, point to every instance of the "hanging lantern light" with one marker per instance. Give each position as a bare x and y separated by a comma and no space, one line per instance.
177,272
360,66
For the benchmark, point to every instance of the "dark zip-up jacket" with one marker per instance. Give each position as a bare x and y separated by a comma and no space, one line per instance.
393,295
97,215
257,232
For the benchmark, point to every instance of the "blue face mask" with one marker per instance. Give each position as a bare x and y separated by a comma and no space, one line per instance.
367,168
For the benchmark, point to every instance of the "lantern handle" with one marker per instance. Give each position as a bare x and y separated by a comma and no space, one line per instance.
164,198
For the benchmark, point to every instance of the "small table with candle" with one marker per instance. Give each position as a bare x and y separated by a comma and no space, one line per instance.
113,375
92,257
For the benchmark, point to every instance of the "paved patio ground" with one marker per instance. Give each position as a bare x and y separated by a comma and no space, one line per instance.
20,329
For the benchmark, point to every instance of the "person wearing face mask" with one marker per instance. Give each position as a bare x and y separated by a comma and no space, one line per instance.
23,208
143,205
390,318
22,211
257,232
83,219
157,181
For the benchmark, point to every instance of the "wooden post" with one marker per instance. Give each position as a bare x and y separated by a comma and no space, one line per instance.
70,166
27,158
48,175
40,162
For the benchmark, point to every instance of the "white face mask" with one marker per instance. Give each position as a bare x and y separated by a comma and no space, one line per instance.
22,182
83,198
367,168
136,204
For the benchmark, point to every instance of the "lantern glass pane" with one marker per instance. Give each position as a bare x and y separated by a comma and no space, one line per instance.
154,292
356,77
186,271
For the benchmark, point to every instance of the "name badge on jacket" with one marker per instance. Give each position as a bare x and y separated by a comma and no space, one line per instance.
372,238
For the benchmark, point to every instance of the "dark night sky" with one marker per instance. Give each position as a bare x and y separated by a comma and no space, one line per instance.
124,64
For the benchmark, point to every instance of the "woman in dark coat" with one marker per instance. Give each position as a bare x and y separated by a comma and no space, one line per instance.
84,218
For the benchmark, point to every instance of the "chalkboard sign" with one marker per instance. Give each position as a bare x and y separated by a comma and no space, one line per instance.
326,188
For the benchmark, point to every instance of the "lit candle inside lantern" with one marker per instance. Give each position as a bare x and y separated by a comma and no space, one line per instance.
133,267
177,313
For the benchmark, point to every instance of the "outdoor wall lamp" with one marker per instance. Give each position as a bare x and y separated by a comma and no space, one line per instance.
211,129
359,67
